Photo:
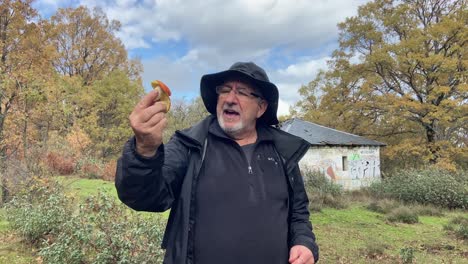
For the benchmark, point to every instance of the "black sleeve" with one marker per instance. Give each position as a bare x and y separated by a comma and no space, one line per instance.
151,184
301,230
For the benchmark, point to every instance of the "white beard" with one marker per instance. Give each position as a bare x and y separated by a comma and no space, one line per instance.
232,131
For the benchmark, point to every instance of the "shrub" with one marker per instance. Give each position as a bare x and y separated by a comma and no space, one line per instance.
383,206
104,231
322,192
458,226
407,255
403,214
362,195
60,164
38,212
109,171
430,186
100,230
89,168
374,249
428,210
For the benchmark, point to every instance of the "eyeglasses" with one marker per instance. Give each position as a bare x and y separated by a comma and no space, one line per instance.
241,92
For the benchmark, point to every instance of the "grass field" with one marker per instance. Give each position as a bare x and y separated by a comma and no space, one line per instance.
352,235
355,235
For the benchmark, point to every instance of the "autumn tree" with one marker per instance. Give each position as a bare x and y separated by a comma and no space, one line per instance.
98,80
87,46
24,69
399,74
184,114
110,101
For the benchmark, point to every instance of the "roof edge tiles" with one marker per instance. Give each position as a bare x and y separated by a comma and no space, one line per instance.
324,136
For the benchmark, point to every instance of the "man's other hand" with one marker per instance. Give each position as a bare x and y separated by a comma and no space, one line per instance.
301,255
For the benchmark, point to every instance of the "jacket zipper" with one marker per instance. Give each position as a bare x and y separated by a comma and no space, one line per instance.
249,167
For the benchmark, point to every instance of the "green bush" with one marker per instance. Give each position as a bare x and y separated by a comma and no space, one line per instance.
428,210
430,186
374,249
459,227
403,214
100,230
38,212
104,231
407,255
322,192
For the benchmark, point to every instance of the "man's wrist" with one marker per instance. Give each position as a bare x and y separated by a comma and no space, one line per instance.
146,152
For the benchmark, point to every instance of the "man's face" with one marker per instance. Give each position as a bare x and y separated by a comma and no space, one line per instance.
238,107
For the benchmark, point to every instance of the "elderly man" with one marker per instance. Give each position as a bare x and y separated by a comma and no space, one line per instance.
232,181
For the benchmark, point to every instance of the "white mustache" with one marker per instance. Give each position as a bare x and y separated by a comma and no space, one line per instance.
231,108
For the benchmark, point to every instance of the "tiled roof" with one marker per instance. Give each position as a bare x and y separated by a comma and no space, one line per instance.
320,135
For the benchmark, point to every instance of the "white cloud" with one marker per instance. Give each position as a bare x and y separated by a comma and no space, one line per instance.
228,25
178,76
283,108
217,33
291,78
306,69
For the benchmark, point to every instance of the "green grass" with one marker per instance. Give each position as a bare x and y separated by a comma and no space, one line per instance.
345,236
84,188
3,222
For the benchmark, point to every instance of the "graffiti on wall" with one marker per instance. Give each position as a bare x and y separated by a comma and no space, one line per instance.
325,166
364,165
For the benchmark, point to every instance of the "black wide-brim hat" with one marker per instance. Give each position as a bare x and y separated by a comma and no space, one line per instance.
256,75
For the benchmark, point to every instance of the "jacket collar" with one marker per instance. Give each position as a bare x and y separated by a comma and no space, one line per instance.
290,147
196,135
262,134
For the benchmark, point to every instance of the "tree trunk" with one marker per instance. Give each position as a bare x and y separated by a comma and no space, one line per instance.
25,138
431,140
3,182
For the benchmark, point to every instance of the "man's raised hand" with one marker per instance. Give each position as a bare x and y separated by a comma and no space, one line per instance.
148,121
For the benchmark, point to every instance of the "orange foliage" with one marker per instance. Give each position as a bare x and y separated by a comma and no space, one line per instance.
78,140
91,170
109,171
60,164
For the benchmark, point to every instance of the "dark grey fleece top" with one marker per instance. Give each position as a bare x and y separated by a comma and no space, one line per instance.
241,204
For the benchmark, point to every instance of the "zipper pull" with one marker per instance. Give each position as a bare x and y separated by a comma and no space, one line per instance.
250,170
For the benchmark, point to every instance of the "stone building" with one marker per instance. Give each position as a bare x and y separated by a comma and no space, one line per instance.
348,160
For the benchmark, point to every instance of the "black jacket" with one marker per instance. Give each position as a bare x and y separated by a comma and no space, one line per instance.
167,180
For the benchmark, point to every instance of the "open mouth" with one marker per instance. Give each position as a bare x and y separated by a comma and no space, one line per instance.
230,113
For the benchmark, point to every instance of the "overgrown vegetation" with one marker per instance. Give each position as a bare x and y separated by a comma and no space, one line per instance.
459,227
428,187
383,206
99,230
322,192
403,214
407,255
39,211
364,236
374,249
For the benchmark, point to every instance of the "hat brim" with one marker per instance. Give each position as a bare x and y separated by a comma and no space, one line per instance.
269,91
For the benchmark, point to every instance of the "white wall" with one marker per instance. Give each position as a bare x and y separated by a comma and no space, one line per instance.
363,164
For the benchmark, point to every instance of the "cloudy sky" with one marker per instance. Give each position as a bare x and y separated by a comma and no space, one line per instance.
180,40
